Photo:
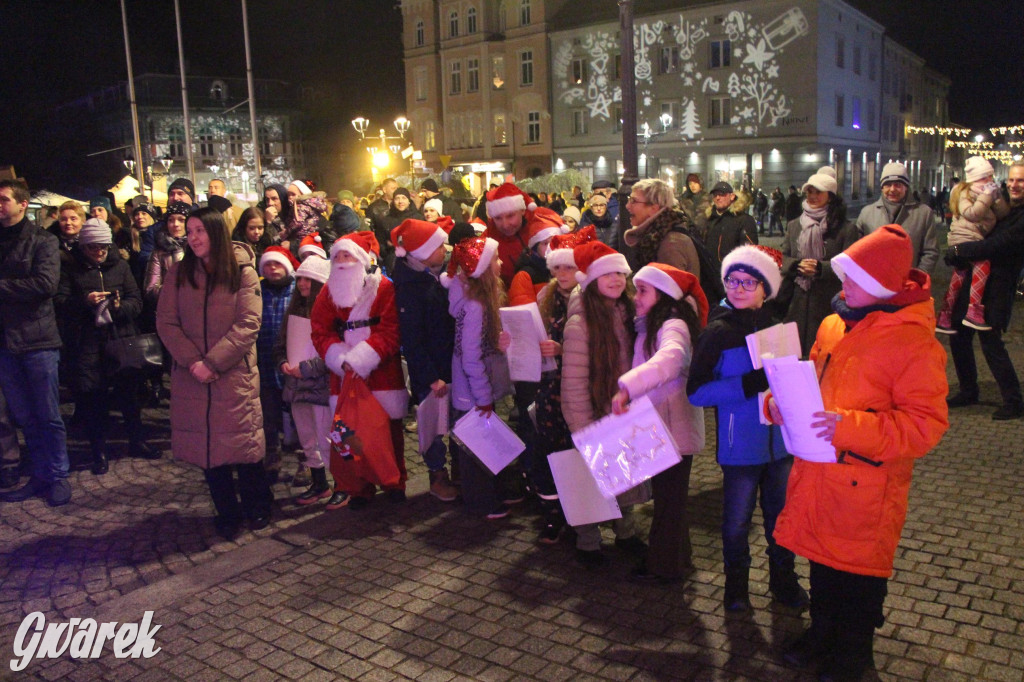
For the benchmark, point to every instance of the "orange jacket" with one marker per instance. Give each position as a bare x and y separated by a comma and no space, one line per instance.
886,376
523,290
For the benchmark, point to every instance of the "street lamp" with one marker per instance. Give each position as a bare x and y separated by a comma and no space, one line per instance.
166,162
129,163
379,155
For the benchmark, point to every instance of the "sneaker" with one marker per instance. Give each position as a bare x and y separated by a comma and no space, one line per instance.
499,512
441,486
944,330
59,494
34,488
1008,411
980,326
301,479
313,495
337,501
550,534
514,498
410,427
975,318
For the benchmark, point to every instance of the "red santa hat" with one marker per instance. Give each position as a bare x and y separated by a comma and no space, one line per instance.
541,230
446,223
279,254
479,225
595,259
312,243
760,262
879,263
358,244
315,268
417,238
473,256
561,248
506,198
677,284
435,204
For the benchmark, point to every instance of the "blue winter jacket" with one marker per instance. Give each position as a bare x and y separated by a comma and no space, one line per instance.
720,361
427,330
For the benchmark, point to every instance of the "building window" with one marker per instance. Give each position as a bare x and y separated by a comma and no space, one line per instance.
669,114
206,145
533,127
524,12
721,51
617,119
579,122
855,115
420,84
840,52
502,17
856,59
500,132
455,79
721,112
471,20
420,34
429,136
175,142
498,72
266,149
840,105
453,25
872,66
472,75
871,115
669,59
526,67
235,144
579,71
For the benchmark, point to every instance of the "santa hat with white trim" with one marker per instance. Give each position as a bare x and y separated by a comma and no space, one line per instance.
677,284
358,244
506,198
473,256
560,251
879,263
417,238
281,255
541,231
757,261
595,259
312,243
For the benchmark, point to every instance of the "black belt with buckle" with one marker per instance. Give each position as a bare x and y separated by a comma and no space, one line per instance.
358,324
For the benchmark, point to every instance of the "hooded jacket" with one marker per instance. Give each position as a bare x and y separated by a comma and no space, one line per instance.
886,377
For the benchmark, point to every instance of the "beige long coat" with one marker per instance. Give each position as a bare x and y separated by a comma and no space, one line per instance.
220,422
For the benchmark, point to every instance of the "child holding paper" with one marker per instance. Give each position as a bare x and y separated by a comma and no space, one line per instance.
475,293
307,386
671,309
752,456
596,351
427,330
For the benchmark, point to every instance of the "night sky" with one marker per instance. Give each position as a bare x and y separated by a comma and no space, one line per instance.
56,51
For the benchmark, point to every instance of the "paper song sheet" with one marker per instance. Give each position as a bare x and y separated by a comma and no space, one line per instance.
776,341
524,325
795,388
489,439
300,341
431,419
581,499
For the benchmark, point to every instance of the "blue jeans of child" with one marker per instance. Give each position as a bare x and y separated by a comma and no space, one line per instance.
740,486
29,383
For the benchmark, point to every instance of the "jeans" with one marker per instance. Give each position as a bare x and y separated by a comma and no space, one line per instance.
739,495
992,347
29,383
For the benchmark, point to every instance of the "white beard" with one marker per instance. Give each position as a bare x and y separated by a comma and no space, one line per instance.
345,283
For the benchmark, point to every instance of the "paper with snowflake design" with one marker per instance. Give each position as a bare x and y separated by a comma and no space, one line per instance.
622,451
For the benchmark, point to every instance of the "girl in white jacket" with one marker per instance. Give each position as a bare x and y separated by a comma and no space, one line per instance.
671,309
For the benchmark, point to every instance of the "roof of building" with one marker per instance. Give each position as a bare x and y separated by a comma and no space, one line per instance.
589,12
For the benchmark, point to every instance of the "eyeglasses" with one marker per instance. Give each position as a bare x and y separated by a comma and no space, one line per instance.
631,200
96,247
747,284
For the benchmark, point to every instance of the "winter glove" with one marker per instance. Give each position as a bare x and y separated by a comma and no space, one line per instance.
993,189
954,261
754,382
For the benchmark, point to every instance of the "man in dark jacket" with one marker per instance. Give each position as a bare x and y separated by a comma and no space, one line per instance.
793,206
1004,248
30,344
429,190
728,227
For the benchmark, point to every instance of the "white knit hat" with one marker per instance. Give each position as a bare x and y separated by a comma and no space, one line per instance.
315,268
977,168
435,204
894,172
822,183
95,231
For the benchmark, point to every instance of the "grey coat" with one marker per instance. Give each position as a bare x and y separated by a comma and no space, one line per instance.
917,220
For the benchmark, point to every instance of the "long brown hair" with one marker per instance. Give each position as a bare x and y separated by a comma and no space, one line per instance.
489,292
664,309
303,305
223,268
603,344
954,197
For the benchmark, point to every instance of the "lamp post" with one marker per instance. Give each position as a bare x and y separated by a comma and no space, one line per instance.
629,160
380,156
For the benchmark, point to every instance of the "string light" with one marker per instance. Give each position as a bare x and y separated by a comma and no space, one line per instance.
968,144
1003,130
939,130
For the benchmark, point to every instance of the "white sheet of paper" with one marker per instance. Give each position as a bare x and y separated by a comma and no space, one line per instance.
776,341
489,439
624,450
431,419
524,324
795,388
300,341
582,501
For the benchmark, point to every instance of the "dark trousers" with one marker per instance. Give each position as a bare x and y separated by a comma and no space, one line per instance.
740,487
478,485
121,390
252,488
670,554
273,424
845,610
999,363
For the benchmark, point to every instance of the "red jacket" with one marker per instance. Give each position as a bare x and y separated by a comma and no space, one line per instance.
510,248
886,376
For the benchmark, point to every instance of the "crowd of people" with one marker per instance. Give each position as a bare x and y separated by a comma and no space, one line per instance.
397,301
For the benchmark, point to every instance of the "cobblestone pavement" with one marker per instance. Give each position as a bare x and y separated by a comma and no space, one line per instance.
423,591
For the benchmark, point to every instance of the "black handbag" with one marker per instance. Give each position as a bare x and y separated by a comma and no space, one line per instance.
142,351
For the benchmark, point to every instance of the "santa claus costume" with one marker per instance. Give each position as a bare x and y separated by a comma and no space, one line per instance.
355,327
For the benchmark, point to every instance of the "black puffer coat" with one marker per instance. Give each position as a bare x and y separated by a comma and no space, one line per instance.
29,275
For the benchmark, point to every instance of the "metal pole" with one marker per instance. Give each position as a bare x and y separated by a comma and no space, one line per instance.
252,101
184,99
630,174
139,161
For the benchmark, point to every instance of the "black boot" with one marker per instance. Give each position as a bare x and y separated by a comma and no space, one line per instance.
318,490
852,655
785,585
737,595
99,459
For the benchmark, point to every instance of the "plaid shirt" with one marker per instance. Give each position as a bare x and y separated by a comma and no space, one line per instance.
275,303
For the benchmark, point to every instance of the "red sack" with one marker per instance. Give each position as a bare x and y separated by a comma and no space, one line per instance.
361,437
